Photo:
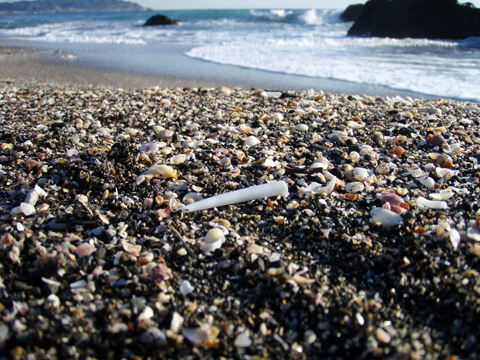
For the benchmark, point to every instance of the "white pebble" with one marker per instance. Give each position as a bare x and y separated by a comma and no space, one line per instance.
354,187
243,340
455,238
277,117
473,233
214,235
149,148
54,299
72,152
82,198
85,249
178,159
146,314
383,336
360,174
252,141
195,335
177,322
276,256
78,285
427,181
27,209
301,127
32,197
310,337
186,288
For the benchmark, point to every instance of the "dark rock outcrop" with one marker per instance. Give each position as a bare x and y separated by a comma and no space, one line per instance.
160,20
59,6
432,19
352,12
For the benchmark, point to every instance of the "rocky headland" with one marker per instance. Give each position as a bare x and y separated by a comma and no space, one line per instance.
352,12
59,6
431,19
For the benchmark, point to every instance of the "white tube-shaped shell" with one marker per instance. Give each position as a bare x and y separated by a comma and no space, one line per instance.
441,196
275,188
423,204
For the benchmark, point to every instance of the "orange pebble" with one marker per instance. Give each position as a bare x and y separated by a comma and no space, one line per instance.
351,197
399,151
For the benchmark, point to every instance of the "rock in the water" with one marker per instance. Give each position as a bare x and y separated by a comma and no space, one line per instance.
160,19
352,12
431,19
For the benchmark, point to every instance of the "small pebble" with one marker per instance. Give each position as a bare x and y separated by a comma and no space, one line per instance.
383,336
186,288
243,340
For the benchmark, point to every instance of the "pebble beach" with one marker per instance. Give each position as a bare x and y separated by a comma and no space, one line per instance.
373,253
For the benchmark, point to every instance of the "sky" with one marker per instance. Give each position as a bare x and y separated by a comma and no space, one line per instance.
249,4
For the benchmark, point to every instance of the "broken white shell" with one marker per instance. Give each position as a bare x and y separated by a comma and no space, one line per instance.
213,240
423,204
242,340
192,197
386,217
473,233
149,148
178,159
27,209
317,188
360,173
444,230
72,152
164,171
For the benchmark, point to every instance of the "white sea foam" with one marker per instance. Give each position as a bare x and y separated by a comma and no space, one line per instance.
272,14
423,66
319,17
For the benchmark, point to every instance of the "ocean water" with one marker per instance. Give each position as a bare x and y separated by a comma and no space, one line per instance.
310,43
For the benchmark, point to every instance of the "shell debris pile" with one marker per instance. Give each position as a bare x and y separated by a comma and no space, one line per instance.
375,250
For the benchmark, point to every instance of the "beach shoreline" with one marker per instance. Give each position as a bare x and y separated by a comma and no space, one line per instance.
24,65
136,67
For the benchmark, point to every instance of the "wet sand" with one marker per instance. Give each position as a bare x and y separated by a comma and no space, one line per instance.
135,67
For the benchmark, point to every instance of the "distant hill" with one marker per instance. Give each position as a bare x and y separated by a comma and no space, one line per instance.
60,6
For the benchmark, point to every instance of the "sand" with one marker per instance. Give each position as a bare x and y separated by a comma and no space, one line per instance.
28,66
